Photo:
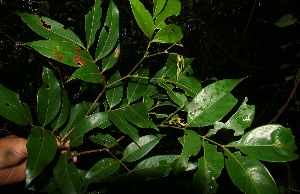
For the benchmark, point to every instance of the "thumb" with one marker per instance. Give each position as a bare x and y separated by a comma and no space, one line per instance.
12,151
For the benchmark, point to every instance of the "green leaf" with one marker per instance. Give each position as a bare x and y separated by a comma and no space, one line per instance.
66,175
171,66
242,119
103,139
48,98
88,73
249,175
41,148
64,112
137,85
179,98
138,115
190,85
77,112
272,143
66,53
109,34
191,143
172,7
168,34
135,151
209,169
119,120
50,29
155,166
142,17
114,93
110,60
12,109
84,125
212,103
102,169
158,6
286,20
93,23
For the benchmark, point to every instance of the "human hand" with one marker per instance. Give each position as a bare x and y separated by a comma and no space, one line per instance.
13,154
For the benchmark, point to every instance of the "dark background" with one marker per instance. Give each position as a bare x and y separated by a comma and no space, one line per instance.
230,39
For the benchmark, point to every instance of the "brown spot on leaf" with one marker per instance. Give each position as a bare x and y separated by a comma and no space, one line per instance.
54,53
116,51
78,50
59,57
45,25
78,61
57,47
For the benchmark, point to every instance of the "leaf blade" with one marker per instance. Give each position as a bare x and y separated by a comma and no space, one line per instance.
12,109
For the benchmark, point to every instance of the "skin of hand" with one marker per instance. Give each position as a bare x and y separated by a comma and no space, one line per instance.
13,154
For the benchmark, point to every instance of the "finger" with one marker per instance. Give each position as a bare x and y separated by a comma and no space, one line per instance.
13,174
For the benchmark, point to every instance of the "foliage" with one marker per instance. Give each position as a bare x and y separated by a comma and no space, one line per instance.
142,108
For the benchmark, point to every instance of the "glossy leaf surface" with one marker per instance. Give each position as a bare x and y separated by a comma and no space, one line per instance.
102,169
158,6
76,114
63,115
212,103
114,93
272,143
109,33
88,73
172,7
50,29
191,143
249,175
155,166
169,34
143,17
135,151
86,124
66,53
210,166
138,115
137,85
179,98
239,121
190,85
48,98
103,139
41,147
119,120
93,23
66,175
110,60
12,109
